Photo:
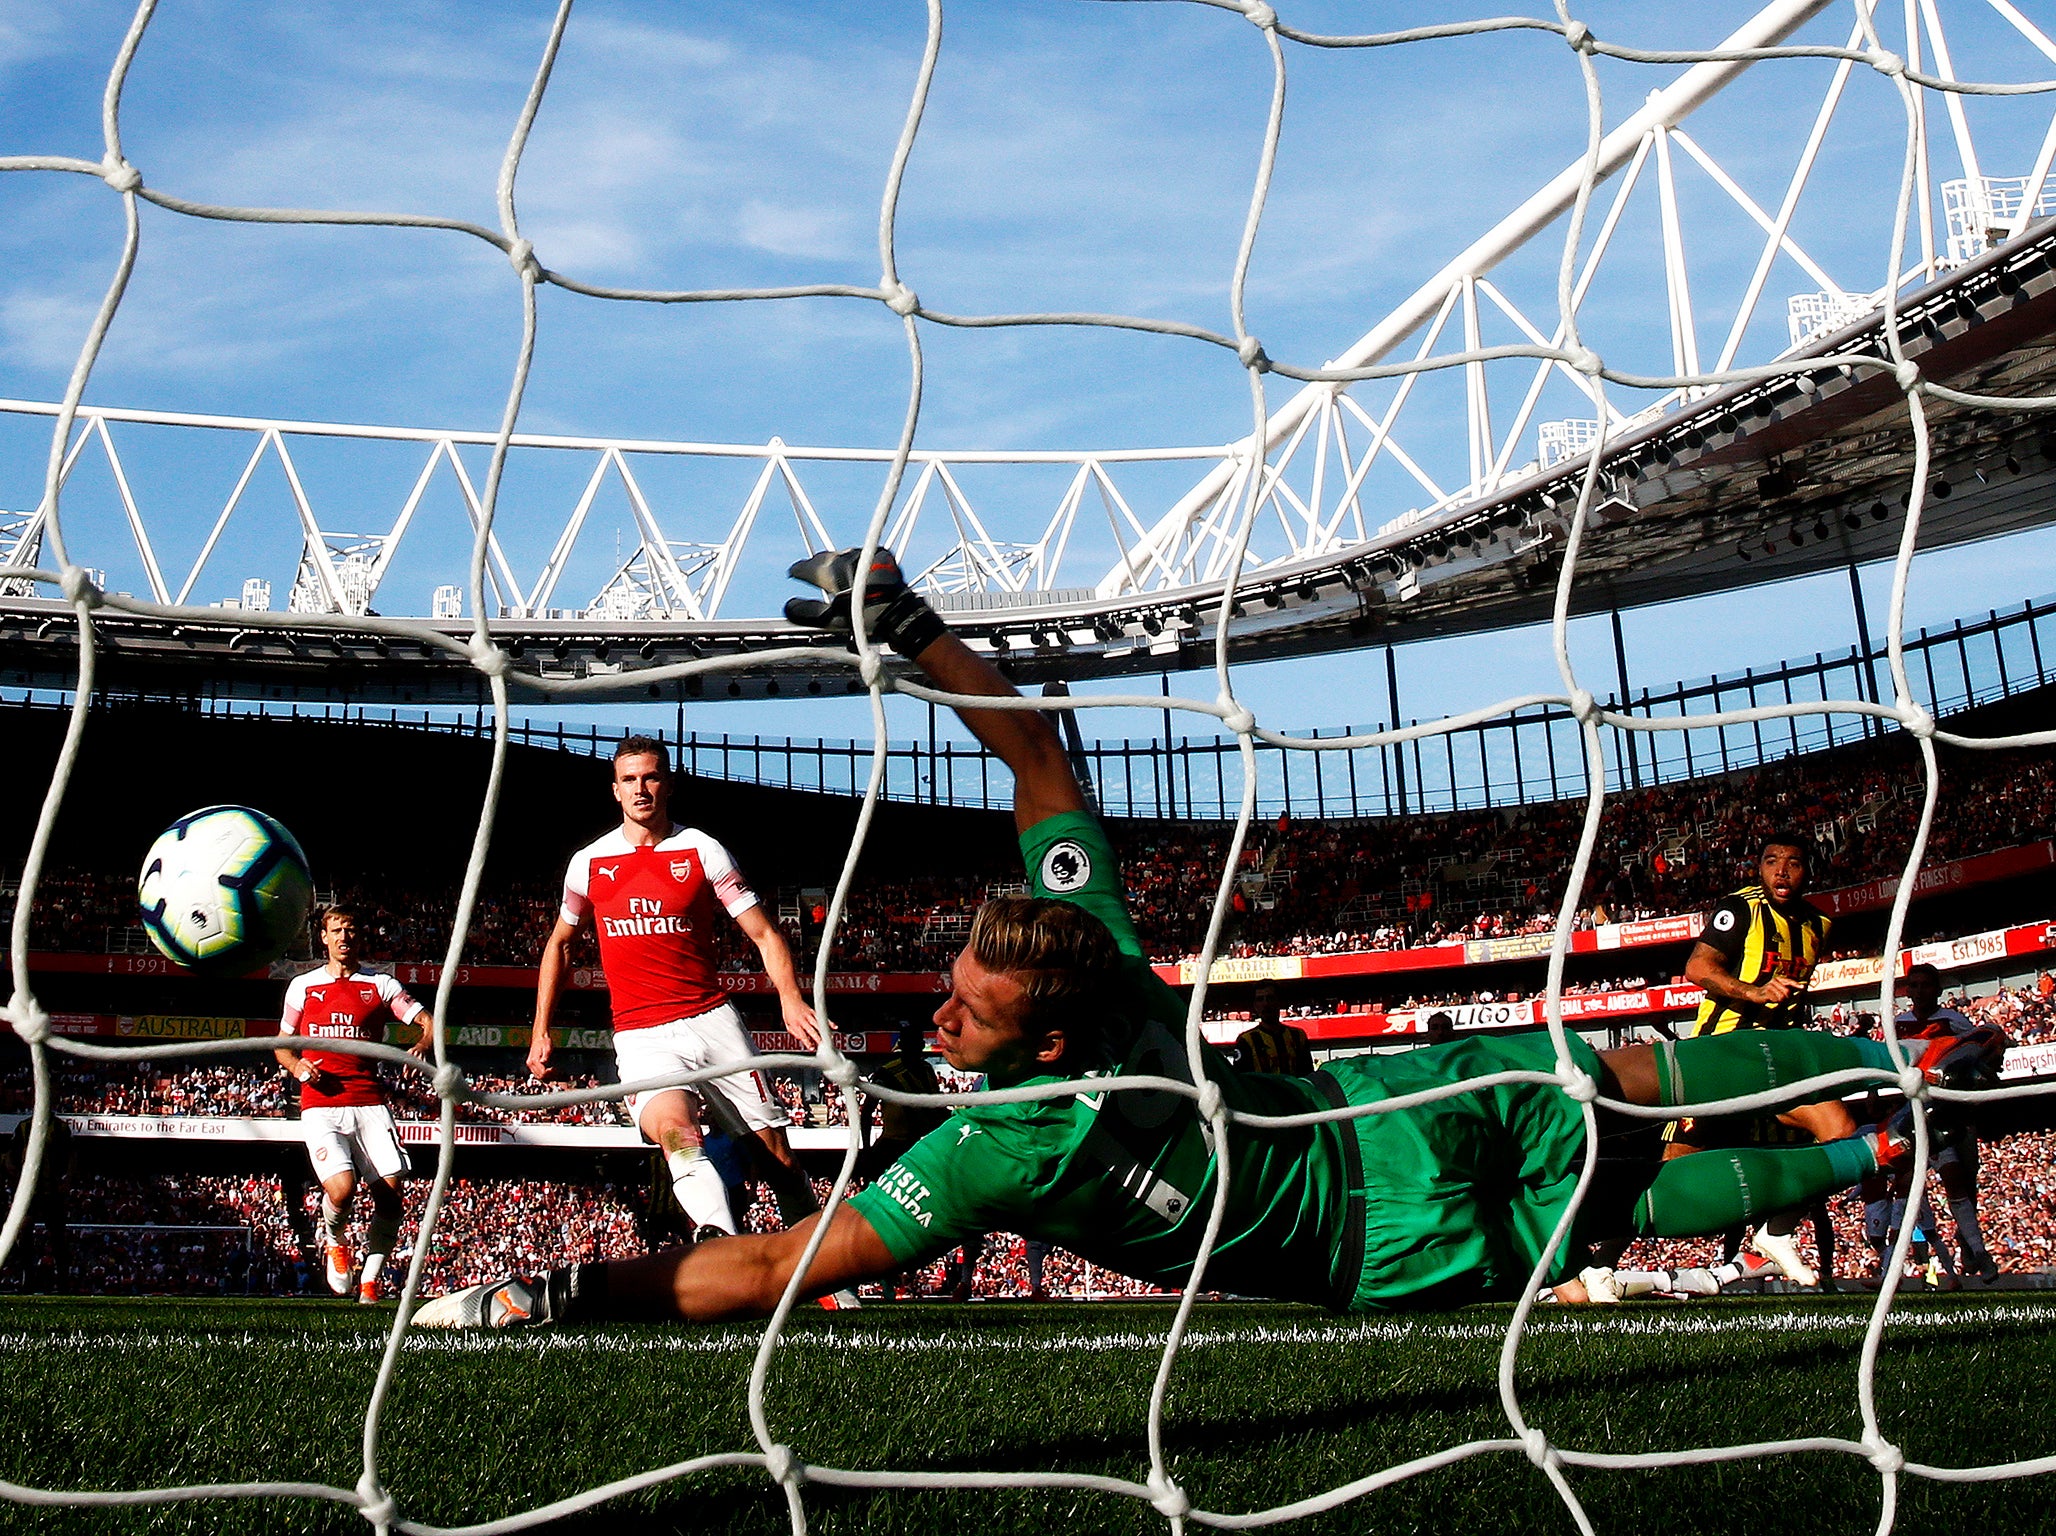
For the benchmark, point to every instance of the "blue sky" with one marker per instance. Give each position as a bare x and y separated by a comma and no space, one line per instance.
1075,155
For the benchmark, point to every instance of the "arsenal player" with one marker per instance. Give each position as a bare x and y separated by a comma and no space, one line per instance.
343,1113
655,893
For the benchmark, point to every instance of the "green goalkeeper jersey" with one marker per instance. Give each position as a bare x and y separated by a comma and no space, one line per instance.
1426,1207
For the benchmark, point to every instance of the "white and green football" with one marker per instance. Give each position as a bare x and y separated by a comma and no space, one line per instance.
224,890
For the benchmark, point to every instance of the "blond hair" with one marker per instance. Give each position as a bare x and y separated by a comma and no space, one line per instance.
1064,960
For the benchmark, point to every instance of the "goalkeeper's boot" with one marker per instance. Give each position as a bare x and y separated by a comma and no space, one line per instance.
1890,1142
841,1301
338,1266
1694,1282
367,1292
509,1303
1963,1064
1779,1248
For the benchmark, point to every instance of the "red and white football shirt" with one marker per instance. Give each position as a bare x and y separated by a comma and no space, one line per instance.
654,909
322,1005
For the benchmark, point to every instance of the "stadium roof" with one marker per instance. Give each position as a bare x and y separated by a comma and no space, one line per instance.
1755,482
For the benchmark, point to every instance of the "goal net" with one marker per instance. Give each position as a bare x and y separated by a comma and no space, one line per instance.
1892,352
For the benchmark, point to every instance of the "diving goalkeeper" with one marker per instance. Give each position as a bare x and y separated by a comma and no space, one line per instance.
1434,1206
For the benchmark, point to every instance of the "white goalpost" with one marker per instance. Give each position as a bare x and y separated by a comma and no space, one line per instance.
1236,491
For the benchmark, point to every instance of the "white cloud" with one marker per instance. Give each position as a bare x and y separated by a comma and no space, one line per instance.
30,32
785,230
44,330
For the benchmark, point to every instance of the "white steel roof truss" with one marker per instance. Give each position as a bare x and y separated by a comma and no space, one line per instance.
506,588
315,553
1061,525
1277,491
1677,279
715,587
1749,205
962,512
1774,239
227,511
813,533
545,586
1112,500
2027,29
1923,189
1952,101
657,547
1218,531
1477,406
2031,194
1512,311
151,573
1666,106
1381,431
407,511
1204,529
1384,441
31,537
1300,527
900,536
1316,527
1347,503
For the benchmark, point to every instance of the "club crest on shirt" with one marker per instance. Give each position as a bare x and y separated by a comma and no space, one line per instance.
1066,867
681,869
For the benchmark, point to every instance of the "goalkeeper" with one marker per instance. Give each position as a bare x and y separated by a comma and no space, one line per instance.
1434,1206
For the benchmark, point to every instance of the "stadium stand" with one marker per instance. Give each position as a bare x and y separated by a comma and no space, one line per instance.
1308,887
230,1234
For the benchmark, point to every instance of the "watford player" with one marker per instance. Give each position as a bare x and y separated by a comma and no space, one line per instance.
343,1115
1753,959
1271,1045
654,892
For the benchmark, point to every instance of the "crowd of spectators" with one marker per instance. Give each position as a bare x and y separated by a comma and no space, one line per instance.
246,1090
207,1234
249,1090
1305,887
234,1234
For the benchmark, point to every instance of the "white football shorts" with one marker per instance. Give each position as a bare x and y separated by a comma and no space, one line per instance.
707,1039
352,1136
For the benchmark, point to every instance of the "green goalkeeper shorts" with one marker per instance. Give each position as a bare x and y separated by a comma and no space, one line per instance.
1459,1196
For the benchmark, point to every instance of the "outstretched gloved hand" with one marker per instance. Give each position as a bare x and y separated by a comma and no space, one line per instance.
894,613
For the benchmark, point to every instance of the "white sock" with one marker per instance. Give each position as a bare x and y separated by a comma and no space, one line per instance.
373,1263
1640,1282
701,1194
331,1220
379,1235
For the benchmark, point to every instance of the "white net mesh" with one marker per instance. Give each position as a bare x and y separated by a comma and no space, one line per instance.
783,1463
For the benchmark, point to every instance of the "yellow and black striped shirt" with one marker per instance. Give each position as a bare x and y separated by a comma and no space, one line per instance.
1759,940
1276,1047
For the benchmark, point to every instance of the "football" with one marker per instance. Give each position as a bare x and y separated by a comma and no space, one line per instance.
225,890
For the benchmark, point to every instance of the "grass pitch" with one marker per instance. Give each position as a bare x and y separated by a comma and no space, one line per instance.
1269,1404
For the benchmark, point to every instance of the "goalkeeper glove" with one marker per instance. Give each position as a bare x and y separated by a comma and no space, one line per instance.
893,611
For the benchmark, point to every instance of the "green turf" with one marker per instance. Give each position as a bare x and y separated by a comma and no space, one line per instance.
1270,1403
